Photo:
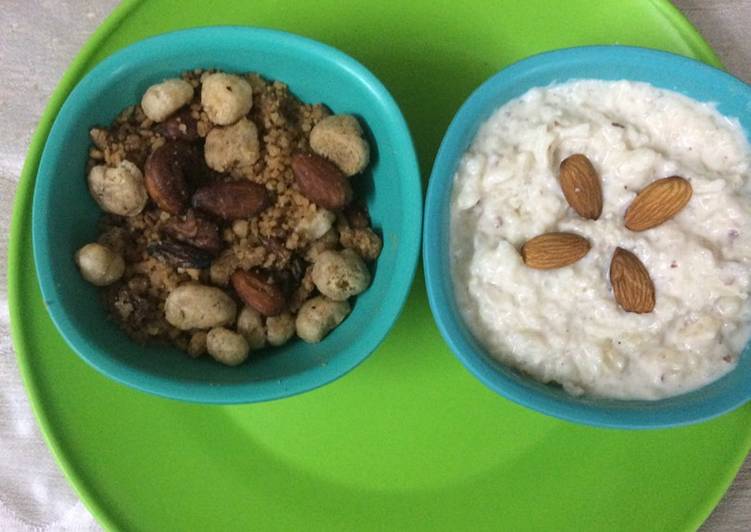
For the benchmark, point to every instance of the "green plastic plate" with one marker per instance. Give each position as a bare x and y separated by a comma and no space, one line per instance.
408,440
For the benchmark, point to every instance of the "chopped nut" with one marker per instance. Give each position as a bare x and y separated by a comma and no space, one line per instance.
339,138
118,190
233,147
163,99
279,329
318,317
340,275
197,345
226,98
250,325
365,242
226,346
99,265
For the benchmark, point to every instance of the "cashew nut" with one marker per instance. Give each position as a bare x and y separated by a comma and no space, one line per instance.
118,190
250,325
319,316
232,147
226,346
340,139
161,100
340,274
279,329
99,265
195,306
226,97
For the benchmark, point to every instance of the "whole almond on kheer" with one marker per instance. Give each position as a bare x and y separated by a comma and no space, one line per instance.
632,286
581,186
554,250
657,203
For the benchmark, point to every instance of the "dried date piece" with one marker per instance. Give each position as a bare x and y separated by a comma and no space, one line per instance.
179,254
195,230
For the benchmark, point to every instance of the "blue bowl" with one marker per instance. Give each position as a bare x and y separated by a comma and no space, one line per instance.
661,69
65,217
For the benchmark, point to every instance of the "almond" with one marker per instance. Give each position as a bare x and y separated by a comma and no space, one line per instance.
632,287
321,181
554,250
231,200
581,186
657,203
165,180
259,291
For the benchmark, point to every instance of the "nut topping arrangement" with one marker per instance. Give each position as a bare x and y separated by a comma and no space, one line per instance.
230,222
657,203
633,288
581,186
554,250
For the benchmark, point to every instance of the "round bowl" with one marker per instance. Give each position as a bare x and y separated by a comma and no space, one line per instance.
661,69
64,216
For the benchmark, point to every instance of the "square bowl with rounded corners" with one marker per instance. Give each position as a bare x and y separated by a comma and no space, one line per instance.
661,69
64,216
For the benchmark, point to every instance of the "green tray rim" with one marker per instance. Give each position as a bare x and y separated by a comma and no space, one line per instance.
22,203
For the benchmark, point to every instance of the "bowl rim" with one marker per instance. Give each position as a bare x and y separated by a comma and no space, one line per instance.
250,391
468,118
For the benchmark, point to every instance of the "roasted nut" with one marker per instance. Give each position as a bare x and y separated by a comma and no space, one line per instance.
316,224
226,346
118,190
365,242
328,241
279,329
250,325
197,344
321,181
319,316
179,126
357,216
161,100
99,265
180,255
231,200
233,147
340,274
259,291
339,138
196,306
226,97
195,230
165,177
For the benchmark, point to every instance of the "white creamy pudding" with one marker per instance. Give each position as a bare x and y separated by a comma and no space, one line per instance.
563,325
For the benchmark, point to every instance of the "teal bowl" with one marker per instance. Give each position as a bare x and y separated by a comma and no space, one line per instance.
661,69
64,217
